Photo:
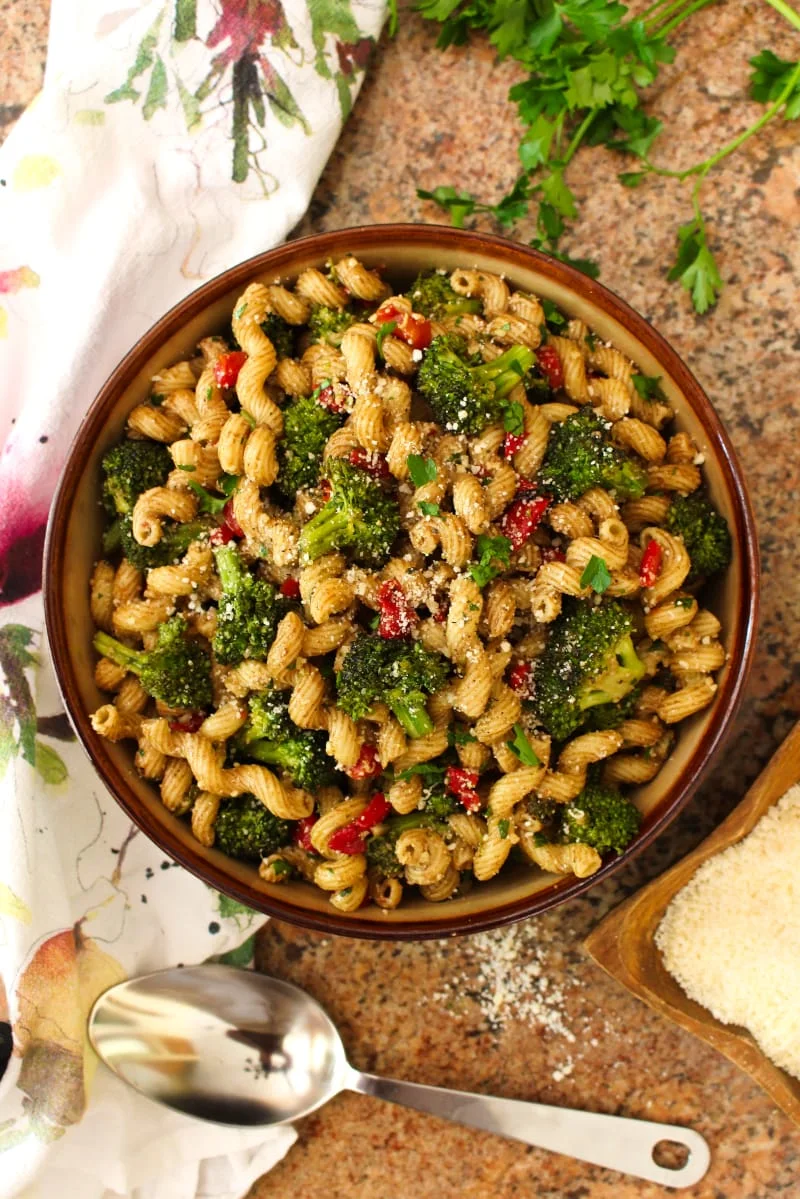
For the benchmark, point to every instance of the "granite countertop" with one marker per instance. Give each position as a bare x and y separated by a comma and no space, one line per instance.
523,1012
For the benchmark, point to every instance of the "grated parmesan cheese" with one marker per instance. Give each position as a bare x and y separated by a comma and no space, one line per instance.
731,937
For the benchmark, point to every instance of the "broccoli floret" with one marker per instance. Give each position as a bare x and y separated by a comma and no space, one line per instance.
465,393
301,755
601,816
244,828
589,660
306,428
440,805
359,517
271,737
399,673
329,324
704,531
544,811
131,467
175,541
268,718
381,856
580,455
611,716
248,611
176,671
280,333
432,295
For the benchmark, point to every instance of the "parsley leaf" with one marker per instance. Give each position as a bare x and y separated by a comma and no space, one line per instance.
458,735
596,575
422,470
771,76
459,204
522,747
426,770
494,555
384,331
502,827
428,509
648,386
514,419
208,502
695,267
553,315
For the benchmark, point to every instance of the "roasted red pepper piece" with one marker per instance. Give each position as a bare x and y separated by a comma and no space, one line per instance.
410,327
368,766
302,832
552,553
521,518
396,616
373,464
189,723
350,839
462,783
519,679
549,362
290,588
511,443
227,367
650,565
220,536
329,399
230,522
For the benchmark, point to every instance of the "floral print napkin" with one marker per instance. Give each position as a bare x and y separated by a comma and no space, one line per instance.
172,139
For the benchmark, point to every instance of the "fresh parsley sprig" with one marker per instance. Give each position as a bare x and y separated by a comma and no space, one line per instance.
588,64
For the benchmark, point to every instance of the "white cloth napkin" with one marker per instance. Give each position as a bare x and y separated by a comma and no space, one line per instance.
172,139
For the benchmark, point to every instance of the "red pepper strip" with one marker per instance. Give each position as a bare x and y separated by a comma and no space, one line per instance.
230,522
551,553
368,766
396,616
330,400
549,362
511,443
187,724
350,839
373,464
650,566
462,784
520,519
325,489
227,367
519,679
220,536
412,328
302,832
290,588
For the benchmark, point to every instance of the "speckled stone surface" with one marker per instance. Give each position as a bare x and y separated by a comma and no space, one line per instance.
422,1011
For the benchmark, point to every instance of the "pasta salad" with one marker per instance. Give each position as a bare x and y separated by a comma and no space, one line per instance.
398,588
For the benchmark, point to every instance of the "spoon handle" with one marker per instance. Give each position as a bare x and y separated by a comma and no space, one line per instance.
616,1142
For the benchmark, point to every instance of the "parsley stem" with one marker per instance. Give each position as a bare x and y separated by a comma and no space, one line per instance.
579,135
702,168
787,11
670,7
677,20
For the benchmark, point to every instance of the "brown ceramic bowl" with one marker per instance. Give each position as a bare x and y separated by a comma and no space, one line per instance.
73,543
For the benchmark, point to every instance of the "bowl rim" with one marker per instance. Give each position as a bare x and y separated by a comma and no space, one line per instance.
510,254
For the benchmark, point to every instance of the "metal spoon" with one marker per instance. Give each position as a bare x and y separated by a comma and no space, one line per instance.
238,1048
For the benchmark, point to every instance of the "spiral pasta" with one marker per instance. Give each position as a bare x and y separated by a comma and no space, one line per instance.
381,670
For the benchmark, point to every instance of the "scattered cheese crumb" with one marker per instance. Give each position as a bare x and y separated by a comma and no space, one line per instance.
731,937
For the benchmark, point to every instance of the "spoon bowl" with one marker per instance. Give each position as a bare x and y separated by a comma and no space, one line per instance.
217,1043
239,1048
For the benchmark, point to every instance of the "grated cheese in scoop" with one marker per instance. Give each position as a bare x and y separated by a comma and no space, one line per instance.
731,937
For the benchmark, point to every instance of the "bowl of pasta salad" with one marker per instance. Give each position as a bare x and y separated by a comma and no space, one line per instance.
401,581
